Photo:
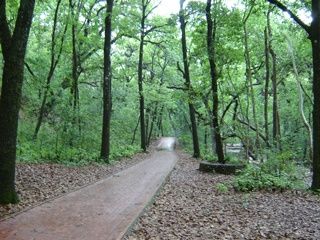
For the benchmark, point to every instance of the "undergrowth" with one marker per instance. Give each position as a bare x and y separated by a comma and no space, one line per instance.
277,173
71,156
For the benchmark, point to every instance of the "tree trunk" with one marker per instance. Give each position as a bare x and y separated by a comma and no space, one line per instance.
267,79
74,89
135,131
275,111
53,64
195,140
249,77
301,99
315,38
14,50
147,118
107,80
143,142
214,84
154,118
159,123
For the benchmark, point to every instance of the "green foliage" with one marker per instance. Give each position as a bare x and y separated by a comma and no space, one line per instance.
230,158
234,159
71,156
208,156
62,140
278,173
222,188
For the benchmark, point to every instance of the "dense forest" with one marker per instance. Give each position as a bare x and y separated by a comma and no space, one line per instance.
94,81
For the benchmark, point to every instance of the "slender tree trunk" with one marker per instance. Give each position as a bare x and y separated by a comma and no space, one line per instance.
148,113
212,132
107,80
75,64
214,84
267,79
249,80
53,64
275,111
206,139
74,90
135,131
213,139
159,124
154,118
143,142
13,50
301,98
195,139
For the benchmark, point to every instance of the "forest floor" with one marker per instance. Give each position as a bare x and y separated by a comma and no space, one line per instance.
37,183
190,206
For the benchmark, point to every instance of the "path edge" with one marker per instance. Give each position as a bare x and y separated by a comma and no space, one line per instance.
66,193
165,180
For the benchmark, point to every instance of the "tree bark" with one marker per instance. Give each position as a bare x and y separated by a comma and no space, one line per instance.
315,38
76,66
212,132
214,83
275,111
267,79
195,140
153,120
107,81
249,75
143,140
13,50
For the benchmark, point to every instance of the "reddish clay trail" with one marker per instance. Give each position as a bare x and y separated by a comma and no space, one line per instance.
102,211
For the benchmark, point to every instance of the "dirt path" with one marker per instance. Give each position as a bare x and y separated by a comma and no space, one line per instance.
103,210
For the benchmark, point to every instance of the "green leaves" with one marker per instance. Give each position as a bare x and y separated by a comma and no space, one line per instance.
277,173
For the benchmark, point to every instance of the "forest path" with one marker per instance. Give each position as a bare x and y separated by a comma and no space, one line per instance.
104,210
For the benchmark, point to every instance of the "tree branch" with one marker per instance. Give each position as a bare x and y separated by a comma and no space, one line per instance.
228,106
152,9
180,69
153,29
30,70
153,42
292,15
253,129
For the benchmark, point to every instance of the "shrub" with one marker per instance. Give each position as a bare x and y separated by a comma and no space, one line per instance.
222,188
278,173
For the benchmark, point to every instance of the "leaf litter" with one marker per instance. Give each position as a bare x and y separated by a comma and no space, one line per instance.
190,206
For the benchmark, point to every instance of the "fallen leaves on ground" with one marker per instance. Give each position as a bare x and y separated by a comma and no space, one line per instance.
190,206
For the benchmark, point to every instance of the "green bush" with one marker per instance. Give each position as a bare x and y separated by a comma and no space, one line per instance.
278,173
222,188
209,157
